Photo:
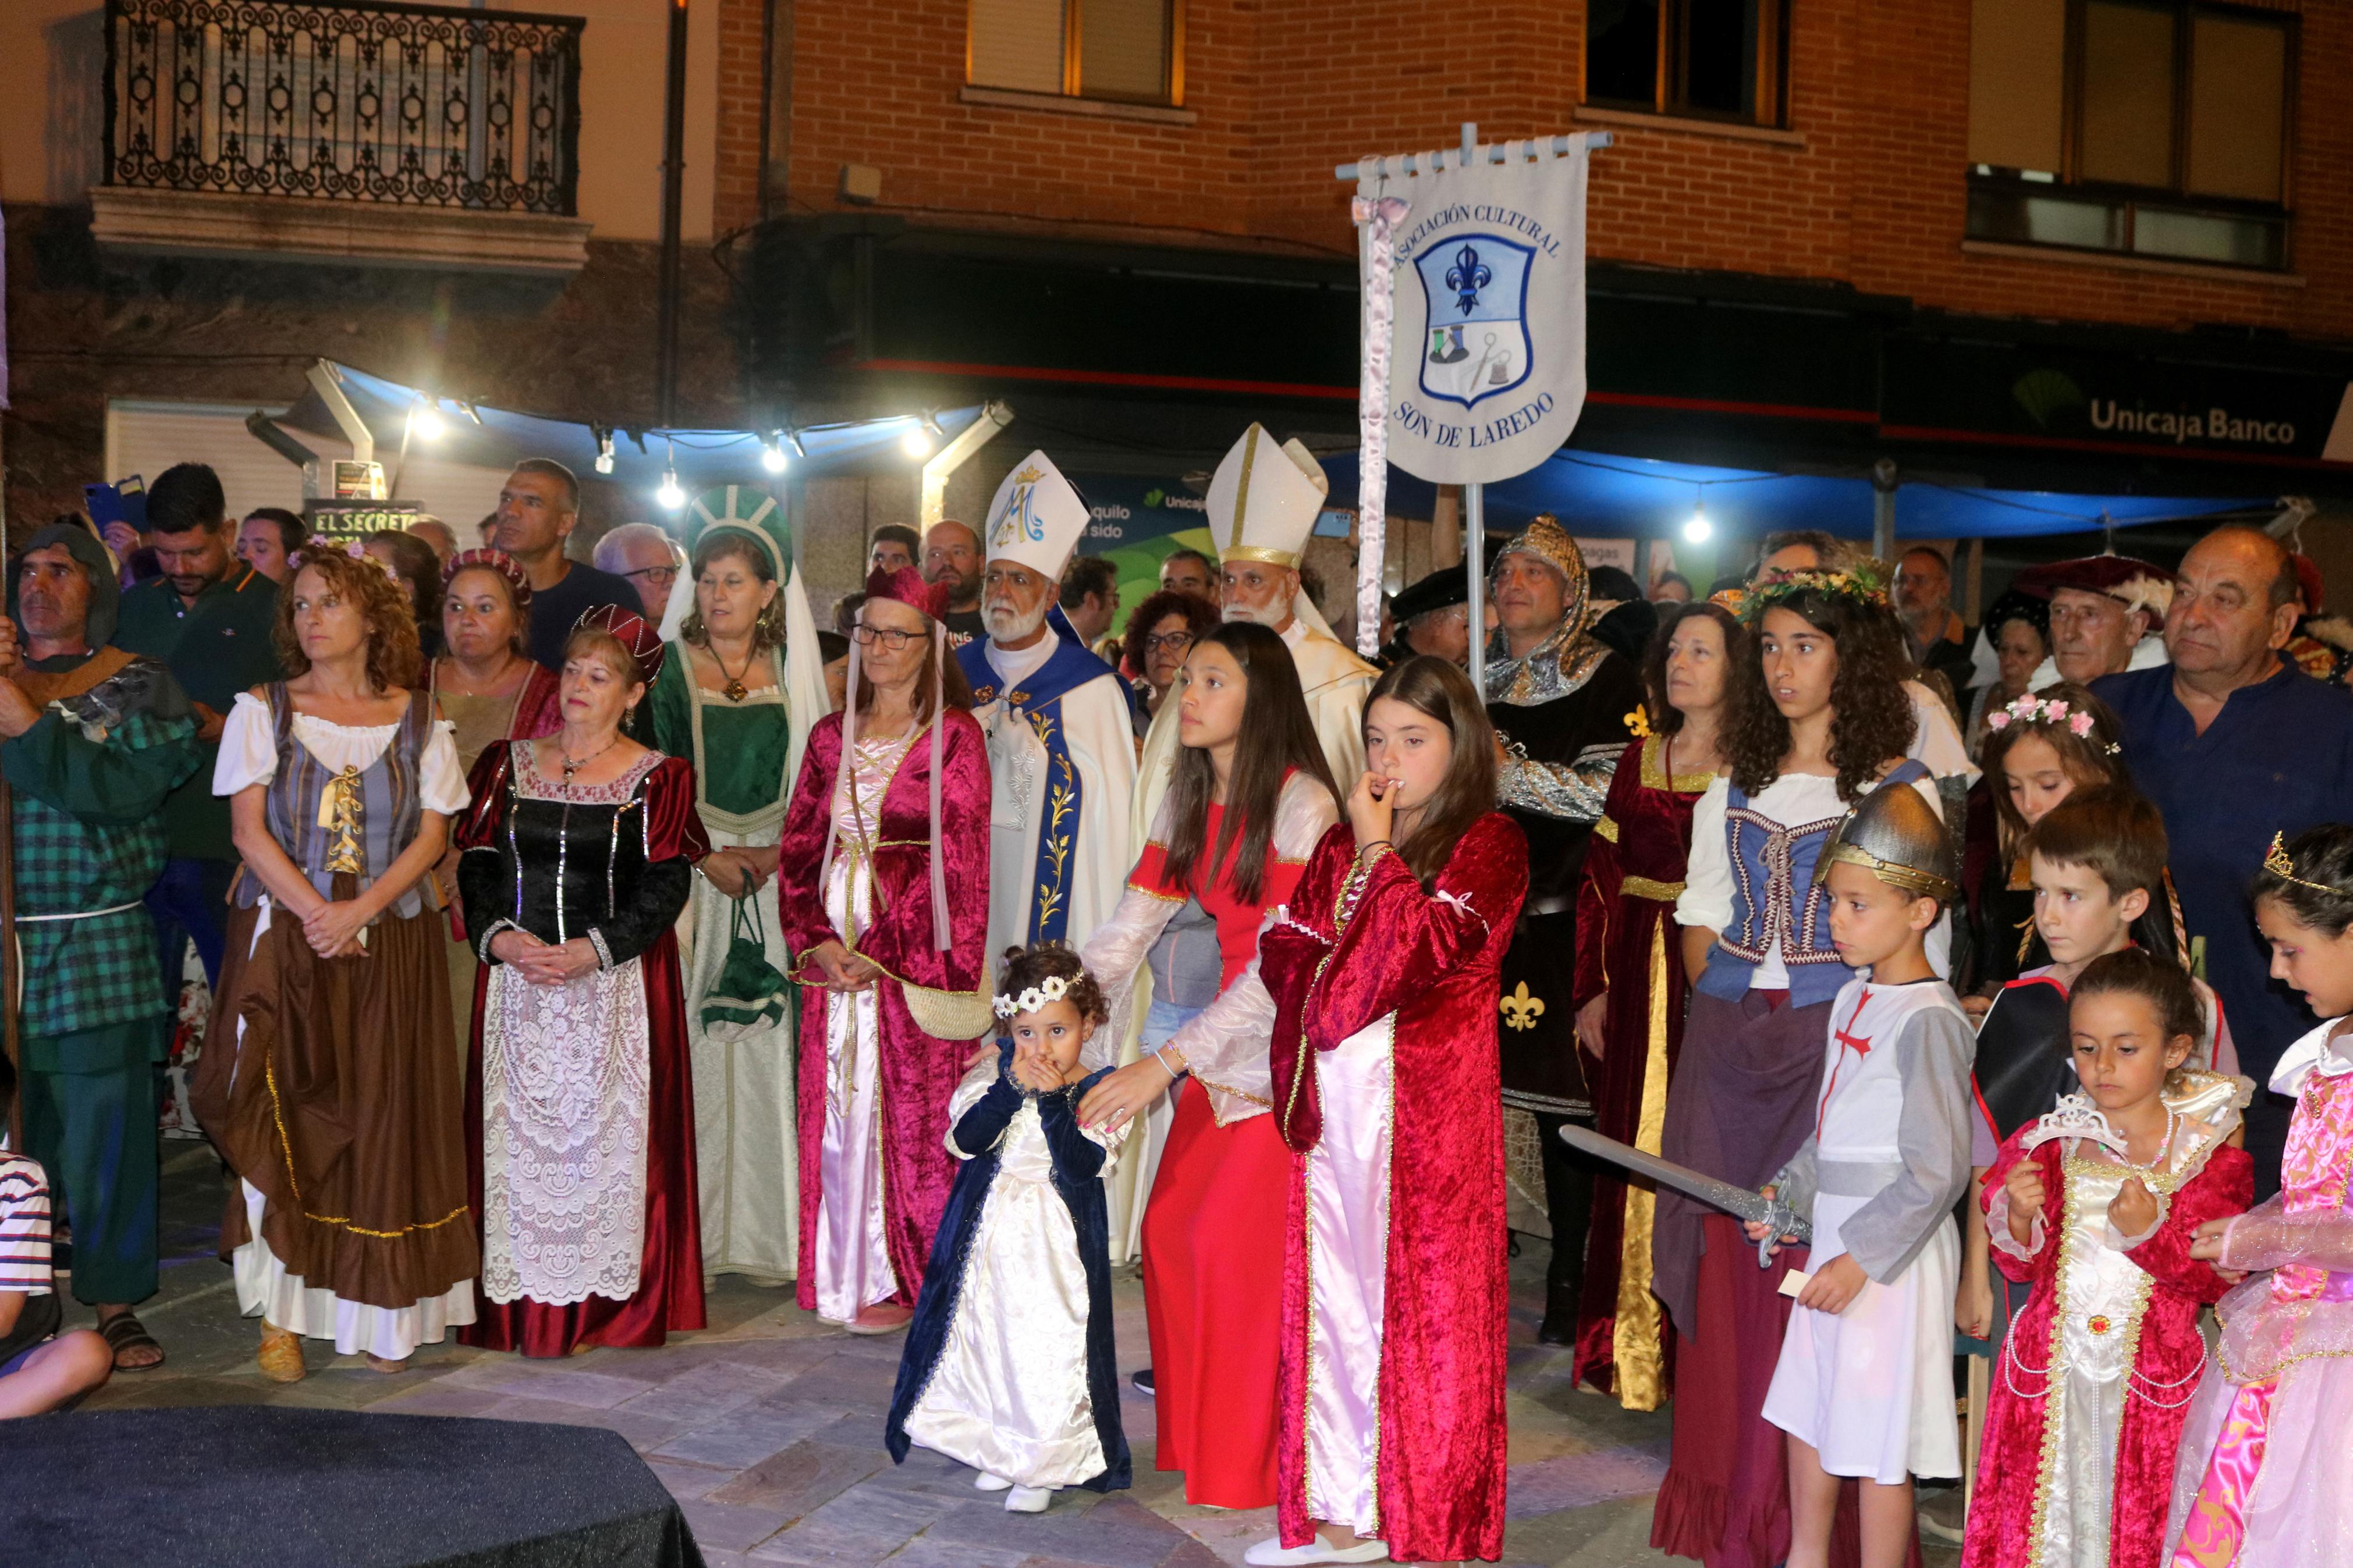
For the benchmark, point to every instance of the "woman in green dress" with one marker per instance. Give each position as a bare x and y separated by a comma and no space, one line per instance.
736,697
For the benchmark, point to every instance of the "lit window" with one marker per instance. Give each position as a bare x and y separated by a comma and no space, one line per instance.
1129,51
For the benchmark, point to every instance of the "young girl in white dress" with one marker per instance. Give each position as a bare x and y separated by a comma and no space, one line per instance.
1010,1364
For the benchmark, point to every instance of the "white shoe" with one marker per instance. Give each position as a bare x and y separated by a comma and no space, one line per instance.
990,1483
1274,1553
1028,1500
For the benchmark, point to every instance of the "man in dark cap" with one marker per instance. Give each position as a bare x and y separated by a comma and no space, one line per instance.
1623,619
91,740
1432,616
2105,614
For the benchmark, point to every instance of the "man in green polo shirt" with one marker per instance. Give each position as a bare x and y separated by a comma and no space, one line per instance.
209,619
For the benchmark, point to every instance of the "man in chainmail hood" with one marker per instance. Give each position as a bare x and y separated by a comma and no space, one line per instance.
1565,706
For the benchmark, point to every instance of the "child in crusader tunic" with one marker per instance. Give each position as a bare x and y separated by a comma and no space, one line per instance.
1009,1359
2094,1203
1863,1387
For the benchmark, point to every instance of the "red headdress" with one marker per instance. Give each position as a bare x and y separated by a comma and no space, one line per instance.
931,600
497,560
628,630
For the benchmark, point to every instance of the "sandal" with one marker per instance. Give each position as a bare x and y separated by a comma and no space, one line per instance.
384,1364
124,1333
280,1356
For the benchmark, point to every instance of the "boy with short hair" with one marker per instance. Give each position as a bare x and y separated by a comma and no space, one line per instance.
40,1369
2097,862
1863,1384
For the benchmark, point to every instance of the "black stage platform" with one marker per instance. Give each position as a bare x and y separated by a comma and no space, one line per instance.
257,1487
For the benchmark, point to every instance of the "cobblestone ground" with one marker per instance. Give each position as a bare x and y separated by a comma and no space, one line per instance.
767,1427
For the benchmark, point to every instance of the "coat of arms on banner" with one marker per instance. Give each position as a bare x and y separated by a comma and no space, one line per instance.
1019,521
1476,345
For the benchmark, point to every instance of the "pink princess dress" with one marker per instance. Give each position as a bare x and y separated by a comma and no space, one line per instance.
2265,1474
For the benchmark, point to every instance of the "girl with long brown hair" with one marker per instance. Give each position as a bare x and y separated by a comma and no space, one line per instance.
1250,797
1385,972
1818,719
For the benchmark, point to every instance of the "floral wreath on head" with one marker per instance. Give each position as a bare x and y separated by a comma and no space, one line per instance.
1053,988
358,550
1860,585
2032,710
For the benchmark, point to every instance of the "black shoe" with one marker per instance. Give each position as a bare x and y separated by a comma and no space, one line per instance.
1557,1329
1142,1382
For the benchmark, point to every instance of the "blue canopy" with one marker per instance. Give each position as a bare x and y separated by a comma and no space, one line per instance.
1605,495
705,458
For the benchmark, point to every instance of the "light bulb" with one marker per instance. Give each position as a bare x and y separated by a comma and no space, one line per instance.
604,451
669,495
772,455
917,443
1698,528
426,422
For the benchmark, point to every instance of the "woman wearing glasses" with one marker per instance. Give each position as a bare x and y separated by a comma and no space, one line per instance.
737,696
1160,633
889,811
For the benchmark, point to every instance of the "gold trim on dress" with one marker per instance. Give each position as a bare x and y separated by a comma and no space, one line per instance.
1635,1335
1643,887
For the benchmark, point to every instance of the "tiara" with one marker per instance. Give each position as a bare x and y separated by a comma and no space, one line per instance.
2276,861
2033,710
1053,988
1862,585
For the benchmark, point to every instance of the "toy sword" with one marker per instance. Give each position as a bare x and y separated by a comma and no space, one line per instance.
1778,1218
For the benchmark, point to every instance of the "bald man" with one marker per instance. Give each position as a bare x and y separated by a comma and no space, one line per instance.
2235,744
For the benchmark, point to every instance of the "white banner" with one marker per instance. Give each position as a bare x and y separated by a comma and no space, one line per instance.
1486,368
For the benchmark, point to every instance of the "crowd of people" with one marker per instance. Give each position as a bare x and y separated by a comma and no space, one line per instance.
576,934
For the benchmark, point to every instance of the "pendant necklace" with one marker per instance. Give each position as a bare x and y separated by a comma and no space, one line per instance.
574,764
734,691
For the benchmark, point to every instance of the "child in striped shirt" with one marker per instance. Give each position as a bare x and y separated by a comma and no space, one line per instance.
40,1369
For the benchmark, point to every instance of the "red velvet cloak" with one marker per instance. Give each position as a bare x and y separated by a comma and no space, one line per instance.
1629,945
2168,1354
1435,960
919,1072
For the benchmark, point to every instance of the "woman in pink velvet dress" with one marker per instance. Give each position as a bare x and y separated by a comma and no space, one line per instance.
890,810
1385,968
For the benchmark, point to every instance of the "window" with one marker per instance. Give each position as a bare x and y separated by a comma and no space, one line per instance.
1711,59
2157,127
1130,51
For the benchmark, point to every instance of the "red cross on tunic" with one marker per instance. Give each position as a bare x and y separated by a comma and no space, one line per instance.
1859,1044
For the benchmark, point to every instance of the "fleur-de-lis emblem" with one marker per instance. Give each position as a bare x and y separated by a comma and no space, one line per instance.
1521,1010
1466,278
1637,722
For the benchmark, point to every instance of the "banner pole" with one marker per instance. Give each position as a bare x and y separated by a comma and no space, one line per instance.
1474,562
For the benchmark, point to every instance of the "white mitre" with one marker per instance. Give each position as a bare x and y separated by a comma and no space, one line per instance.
1263,499
1036,519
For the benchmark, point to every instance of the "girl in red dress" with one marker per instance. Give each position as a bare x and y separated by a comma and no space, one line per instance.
1250,797
1384,969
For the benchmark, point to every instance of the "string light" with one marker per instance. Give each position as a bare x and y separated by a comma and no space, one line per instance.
604,448
917,443
671,496
1698,530
793,439
425,420
771,453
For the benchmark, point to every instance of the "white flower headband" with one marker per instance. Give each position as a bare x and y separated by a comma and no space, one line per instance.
2032,710
1053,988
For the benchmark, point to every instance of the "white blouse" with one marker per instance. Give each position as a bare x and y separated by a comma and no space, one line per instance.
249,752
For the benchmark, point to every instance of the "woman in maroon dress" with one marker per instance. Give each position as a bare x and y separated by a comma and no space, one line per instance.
1385,970
1630,984
577,854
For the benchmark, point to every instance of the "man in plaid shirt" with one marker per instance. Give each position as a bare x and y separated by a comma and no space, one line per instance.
91,739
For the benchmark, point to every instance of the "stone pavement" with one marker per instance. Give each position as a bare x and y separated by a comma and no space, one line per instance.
767,1427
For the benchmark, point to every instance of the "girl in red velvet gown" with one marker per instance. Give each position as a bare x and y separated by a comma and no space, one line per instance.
1250,797
1385,972
1630,984
891,811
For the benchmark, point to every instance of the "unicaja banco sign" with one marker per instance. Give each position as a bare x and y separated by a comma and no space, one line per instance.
2182,426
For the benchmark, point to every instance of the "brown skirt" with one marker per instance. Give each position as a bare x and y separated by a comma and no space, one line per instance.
339,1102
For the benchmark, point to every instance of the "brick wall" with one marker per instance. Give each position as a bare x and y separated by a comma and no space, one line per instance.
1869,191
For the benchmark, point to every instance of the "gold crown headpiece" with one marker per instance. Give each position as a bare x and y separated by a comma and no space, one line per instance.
2276,861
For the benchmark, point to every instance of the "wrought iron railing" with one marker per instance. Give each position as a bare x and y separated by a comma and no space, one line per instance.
352,101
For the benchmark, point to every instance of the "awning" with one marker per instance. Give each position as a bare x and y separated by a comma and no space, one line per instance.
1604,495
498,438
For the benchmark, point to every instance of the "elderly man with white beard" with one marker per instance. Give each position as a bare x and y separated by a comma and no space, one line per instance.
1061,748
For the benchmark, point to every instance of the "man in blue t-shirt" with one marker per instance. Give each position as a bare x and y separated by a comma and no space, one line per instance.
539,506
2235,744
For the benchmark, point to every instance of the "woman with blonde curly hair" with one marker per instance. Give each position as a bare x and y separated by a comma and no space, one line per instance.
333,1087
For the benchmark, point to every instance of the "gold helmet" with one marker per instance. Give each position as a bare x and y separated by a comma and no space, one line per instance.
1896,836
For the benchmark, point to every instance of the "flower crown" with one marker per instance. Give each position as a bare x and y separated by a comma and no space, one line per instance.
1053,988
1860,583
2276,861
358,552
2032,710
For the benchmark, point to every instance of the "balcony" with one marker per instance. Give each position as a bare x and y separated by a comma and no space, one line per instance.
364,133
